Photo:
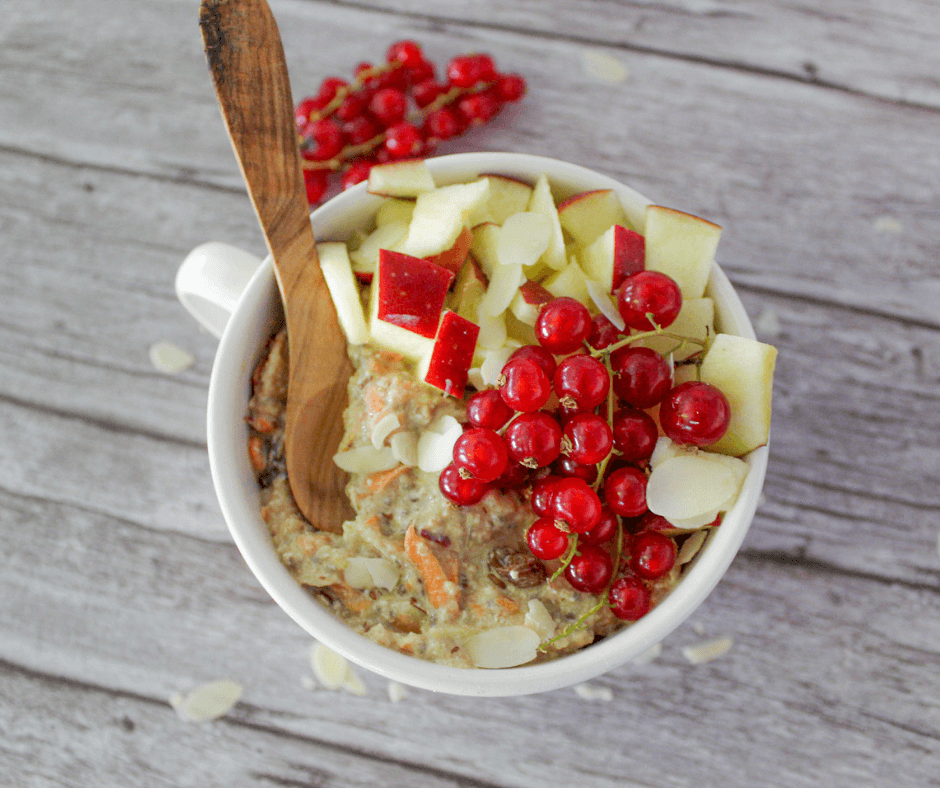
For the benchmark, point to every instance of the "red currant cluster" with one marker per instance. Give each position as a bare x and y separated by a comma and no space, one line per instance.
348,127
586,455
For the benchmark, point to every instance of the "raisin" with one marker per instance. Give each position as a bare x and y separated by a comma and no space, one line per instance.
517,565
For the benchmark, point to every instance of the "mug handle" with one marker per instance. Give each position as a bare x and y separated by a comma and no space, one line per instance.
211,280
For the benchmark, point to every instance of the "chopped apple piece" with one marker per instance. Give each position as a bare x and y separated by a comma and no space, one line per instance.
528,301
523,238
453,259
449,361
394,209
388,236
406,301
469,289
571,283
440,215
337,271
507,196
682,246
407,178
696,319
743,369
543,202
483,246
492,329
615,255
585,216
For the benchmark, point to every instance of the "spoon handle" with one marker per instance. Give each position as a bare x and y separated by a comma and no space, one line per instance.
246,59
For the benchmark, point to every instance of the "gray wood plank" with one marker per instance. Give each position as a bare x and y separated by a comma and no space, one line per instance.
873,47
827,681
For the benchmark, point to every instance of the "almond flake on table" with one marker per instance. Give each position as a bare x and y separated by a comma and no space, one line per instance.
707,650
888,224
588,691
169,358
767,324
208,701
334,672
603,67
397,692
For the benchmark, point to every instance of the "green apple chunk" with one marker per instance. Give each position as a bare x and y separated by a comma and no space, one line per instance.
338,273
571,283
507,196
681,246
743,369
394,209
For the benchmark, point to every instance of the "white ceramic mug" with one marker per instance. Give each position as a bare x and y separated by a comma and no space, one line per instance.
208,284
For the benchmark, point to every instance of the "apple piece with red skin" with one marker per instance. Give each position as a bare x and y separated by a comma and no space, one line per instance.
618,253
588,214
453,259
508,195
406,302
451,357
528,301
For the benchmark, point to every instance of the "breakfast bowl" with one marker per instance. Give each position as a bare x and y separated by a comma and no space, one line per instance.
217,285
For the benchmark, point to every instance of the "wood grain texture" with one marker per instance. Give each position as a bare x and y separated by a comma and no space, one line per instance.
118,585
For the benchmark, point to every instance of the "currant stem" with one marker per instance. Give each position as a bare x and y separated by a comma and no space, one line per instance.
566,559
605,352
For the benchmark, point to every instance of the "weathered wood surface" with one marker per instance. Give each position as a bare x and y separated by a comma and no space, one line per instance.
118,585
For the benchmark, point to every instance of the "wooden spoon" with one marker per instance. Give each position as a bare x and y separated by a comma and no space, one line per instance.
246,59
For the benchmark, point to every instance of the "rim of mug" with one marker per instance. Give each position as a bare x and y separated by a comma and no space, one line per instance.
255,318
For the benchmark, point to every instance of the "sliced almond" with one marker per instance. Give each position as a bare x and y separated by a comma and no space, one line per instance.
404,447
605,304
383,428
366,459
503,647
208,701
687,486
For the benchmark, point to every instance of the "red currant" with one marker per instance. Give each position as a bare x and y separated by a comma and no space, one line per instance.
353,105
545,540
584,379
402,140
515,477
534,439
649,293
605,530
542,492
480,107
388,106
328,90
425,92
565,466
650,521
360,130
486,68
695,413
641,376
481,452
463,71
562,325
420,72
539,355
652,555
488,409
625,492
510,87
589,438
629,598
316,183
463,492
575,505
590,570
304,109
357,172
442,124
525,386
323,139
635,434
604,333
406,52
